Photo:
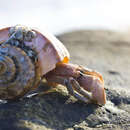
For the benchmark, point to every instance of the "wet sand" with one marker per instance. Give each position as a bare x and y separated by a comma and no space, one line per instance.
105,51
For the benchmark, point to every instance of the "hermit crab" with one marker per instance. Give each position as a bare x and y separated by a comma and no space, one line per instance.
27,56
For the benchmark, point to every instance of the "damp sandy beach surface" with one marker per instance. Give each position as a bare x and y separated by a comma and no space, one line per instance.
101,50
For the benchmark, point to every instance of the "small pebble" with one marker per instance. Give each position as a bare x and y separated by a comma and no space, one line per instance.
28,36
30,53
33,34
22,59
19,35
14,42
3,50
12,30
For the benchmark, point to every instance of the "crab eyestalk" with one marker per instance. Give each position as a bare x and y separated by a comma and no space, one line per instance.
89,85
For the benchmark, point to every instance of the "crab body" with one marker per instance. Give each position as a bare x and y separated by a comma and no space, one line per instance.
26,56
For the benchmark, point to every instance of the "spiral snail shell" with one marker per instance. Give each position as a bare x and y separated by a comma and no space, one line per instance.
26,55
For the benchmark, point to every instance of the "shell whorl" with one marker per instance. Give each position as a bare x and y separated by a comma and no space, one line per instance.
18,64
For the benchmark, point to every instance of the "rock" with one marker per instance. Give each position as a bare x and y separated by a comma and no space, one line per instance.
106,51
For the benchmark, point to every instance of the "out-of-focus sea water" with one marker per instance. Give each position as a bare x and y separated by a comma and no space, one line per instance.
59,16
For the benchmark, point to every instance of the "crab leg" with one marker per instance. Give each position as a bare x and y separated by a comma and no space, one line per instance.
69,86
80,90
81,80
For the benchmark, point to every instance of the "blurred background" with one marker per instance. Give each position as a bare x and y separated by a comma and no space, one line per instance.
58,16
